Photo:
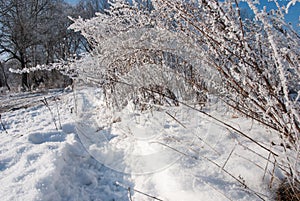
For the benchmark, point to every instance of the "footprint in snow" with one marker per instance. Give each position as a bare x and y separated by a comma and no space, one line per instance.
40,138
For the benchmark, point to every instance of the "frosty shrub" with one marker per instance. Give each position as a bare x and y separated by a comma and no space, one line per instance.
254,63
258,61
134,61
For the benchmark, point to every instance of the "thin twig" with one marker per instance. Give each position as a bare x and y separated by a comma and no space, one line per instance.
229,157
218,191
47,105
58,113
265,171
273,174
243,157
135,190
181,124
150,196
129,194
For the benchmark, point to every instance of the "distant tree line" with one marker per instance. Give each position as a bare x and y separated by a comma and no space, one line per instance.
35,32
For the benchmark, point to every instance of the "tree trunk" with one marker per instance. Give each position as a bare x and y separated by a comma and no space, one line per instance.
25,85
5,77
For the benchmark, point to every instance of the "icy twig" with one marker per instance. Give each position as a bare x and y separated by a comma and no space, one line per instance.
135,190
266,168
58,113
228,157
47,105
181,124
129,194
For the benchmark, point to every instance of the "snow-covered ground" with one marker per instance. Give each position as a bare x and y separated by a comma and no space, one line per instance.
176,154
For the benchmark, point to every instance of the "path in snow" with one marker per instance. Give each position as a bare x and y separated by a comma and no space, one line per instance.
171,160
37,162
166,160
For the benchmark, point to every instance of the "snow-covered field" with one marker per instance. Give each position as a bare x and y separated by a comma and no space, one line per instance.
176,154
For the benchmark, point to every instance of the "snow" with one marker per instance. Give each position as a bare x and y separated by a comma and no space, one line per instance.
37,162
100,154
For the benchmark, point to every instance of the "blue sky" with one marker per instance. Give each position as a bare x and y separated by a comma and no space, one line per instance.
72,1
292,16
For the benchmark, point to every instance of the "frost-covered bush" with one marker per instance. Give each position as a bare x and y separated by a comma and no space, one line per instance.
152,84
132,60
257,62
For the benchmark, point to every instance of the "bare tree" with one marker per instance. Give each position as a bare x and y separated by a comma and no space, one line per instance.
19,30
35,32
